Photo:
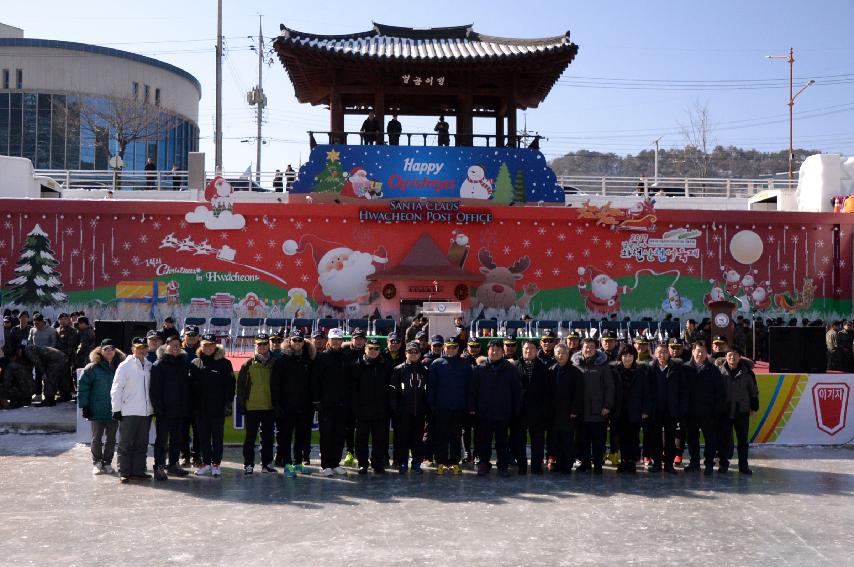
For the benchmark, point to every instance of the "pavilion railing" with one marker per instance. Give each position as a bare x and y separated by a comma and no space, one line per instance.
417,139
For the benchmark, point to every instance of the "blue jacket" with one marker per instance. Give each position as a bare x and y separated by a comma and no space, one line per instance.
448,383
496,391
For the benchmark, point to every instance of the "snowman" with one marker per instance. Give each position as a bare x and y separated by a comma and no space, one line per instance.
476,185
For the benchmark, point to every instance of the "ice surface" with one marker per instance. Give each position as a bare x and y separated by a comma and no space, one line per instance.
797,509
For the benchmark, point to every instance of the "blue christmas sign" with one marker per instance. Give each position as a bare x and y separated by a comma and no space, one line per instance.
494,175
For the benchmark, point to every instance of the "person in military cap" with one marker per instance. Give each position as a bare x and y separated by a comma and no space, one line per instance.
155,341
190,456
677,350
423,342
277,340
168,329
641,344
473,356
66,341
20,334
373,397
510,346
410,410
495,398
331,393
255,402
533,419
473,351
548,340
16,382
318,338
291,393
393,353
9,347
131,406
86,341
720,347
169,391
51,364
573,342
212,386
448,379
610,345
353,352
436,344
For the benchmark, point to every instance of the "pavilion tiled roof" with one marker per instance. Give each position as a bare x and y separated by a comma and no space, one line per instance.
457,43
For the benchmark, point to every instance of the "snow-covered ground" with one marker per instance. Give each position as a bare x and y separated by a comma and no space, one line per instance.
797,509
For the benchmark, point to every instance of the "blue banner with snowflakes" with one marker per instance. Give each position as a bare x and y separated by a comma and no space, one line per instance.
496,175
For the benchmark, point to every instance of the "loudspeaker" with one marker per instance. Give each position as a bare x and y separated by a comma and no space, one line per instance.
122,332
796,349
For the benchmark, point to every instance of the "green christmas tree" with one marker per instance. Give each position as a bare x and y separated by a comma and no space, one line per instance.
331,179
37,282
503,186
519,193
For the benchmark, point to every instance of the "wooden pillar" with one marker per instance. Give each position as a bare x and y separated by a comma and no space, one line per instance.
511,124
379,111
500,111
464,120
336,118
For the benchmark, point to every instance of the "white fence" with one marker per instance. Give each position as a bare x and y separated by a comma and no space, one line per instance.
670,186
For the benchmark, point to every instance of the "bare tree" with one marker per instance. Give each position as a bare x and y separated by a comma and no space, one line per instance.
697,133
125,119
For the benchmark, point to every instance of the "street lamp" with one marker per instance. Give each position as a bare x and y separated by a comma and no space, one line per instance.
656,158
791,59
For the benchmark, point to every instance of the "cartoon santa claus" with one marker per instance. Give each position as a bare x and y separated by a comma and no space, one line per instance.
715,294
342,273
748,284
358,184
761,297
732,279
600,291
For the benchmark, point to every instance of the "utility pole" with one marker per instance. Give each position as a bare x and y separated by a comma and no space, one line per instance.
656,158
256,97
218,119
792,96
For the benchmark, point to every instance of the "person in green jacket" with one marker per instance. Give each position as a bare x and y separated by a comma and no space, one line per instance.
93,397
255,403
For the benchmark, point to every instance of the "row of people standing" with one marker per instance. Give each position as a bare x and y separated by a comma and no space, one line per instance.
52,352
371,131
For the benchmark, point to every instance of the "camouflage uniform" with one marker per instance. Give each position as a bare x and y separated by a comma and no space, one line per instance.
66,342
85,345
17,384
51,363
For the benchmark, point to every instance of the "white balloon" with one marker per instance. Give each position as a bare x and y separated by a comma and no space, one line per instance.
746,247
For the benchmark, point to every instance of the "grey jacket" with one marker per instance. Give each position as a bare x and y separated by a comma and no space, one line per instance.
46,337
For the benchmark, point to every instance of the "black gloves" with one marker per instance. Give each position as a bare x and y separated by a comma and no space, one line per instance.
117,415
87,413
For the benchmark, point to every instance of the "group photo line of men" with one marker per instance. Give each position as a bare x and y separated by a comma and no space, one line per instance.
558,405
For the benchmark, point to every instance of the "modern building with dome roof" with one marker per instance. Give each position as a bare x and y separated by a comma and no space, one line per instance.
55,95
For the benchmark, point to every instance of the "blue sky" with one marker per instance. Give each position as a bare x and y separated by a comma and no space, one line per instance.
640,65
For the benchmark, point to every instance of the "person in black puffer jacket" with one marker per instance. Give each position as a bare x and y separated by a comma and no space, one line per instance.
169,391
598,401
704,388
331,392
635,406
495,397
212,387
534,378
410,382
290,387
373,398
741,400
565,407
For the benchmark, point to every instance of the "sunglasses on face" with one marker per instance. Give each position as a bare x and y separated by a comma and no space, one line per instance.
547,341
394,342
413,351
296,340
107,348
373,348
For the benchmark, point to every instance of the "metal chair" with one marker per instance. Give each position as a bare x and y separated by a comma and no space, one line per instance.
272,324
485,328
248,327
220,327
515,325
303,324
197,322
352,324
327,323
383,327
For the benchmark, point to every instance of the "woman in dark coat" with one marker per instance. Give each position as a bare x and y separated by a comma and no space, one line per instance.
635,406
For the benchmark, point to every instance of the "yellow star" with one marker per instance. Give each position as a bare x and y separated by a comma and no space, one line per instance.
332,155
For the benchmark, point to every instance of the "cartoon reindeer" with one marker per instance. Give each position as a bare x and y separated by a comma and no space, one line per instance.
497,293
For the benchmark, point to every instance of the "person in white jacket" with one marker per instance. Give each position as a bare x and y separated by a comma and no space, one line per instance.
132,408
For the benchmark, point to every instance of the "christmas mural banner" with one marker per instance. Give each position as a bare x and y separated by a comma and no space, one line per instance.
144,260
495,175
